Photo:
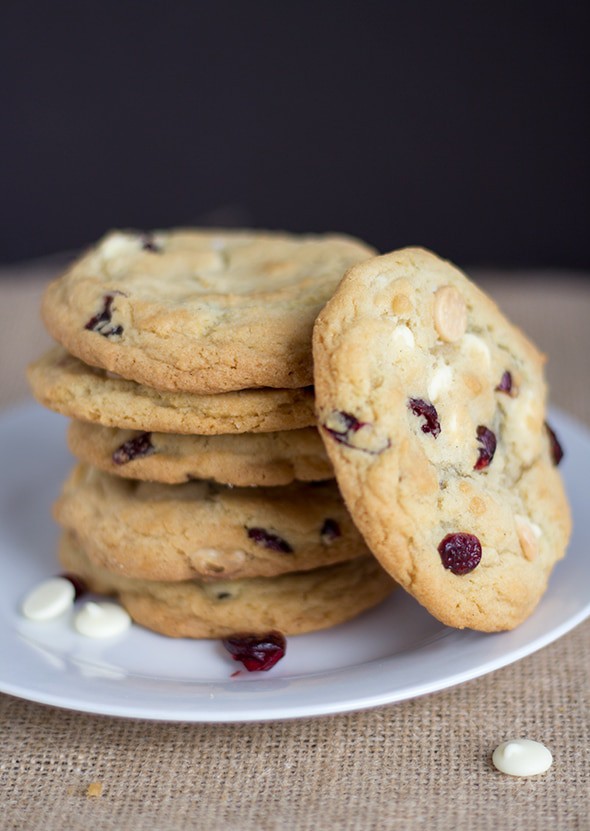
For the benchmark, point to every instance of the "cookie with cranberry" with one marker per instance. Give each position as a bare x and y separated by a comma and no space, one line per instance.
201,311
246,459
65,384
292,603
202,529
432,408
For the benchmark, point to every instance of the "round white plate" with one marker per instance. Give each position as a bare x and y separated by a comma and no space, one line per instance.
394,652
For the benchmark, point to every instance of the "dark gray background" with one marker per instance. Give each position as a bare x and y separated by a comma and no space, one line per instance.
461,126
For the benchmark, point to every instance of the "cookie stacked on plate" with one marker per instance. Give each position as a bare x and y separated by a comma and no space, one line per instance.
203,497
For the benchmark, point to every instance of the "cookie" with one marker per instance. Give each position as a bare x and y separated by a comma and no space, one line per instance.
292,603
201,529
432,407
247,459
65,384
202,311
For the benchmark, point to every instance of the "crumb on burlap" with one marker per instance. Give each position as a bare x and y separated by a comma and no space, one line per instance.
94,789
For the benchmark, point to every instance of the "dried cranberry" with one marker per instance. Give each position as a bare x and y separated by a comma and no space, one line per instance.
148,243
99,323
487,439
460,552
141,445
344,427
271,541
428,413
258,653
330,531
554,445
348,425
80,587
505,384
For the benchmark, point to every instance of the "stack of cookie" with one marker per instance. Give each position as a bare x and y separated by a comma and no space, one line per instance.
203,496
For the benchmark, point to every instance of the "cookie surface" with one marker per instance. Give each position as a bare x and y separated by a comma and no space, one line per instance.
432,407
200,311
65,384
201,529
247,459
292,603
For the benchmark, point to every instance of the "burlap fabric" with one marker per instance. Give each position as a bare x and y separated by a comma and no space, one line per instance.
420,764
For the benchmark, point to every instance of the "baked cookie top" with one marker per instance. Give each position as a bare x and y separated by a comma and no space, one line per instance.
63,383
204,311
247,459
292,603
432,407
202,529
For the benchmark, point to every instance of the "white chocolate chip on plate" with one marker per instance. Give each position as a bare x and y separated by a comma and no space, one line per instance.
522,757
49,599
450,314
101,620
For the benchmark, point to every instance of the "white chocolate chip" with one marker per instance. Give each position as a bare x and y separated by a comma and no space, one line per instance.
402,338
101,620
450,314
440,382
528,534
49,600
477,346
522,757
118,245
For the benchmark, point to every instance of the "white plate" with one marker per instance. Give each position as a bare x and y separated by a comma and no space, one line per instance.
395,652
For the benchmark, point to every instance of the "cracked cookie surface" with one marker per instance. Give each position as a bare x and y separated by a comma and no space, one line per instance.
65,384
292,603
247,459
432,409
202,311
202,529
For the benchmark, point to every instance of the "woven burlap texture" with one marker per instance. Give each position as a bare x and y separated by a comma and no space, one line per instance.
419,764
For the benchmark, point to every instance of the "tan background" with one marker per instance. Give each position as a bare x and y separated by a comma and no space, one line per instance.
419,764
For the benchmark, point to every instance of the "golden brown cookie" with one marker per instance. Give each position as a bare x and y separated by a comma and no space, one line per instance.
204,311
292,603
247,459
432,408
65,384
201,529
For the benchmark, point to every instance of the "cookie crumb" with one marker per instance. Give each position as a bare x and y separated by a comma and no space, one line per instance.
94,789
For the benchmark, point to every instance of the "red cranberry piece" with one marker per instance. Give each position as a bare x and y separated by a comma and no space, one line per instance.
330,531
460,552
343,427
100,322
505,384
554,446
148,243
348,425
428,413
258,653
487,439
80,587
271,541
133,449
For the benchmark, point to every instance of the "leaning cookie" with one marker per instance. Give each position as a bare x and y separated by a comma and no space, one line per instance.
204,311
201,529
292,604
246,459
432,407
63,383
